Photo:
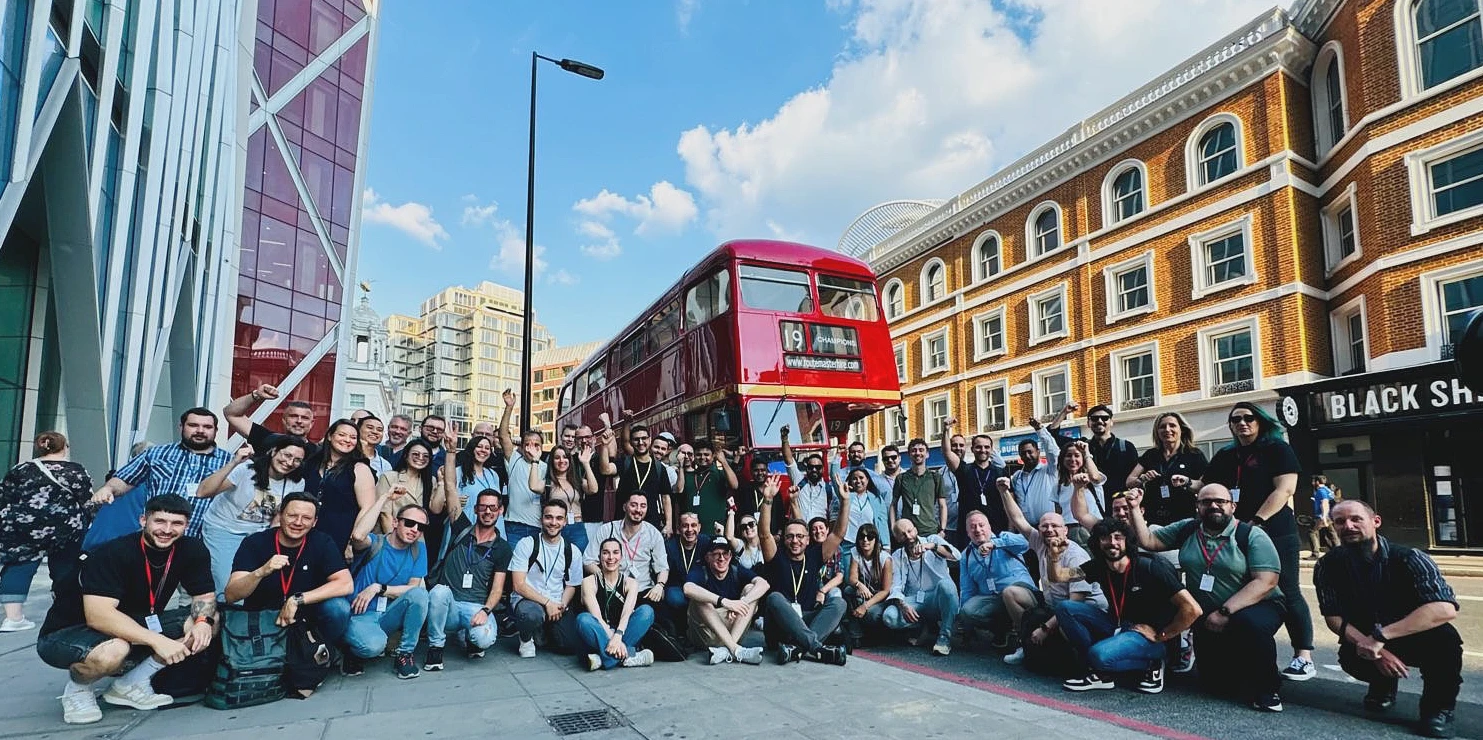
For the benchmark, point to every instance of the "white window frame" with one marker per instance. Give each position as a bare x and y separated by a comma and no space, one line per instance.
1330,57
1197,244
902,365
1119,392
981,393
1109,197
1109,280
979,351
926,286
1332,258
1033,309
1206,354
1432,307
1192,150
900,287
895,425
947,352
978,245
929,421
1032,244
1343,341
1408,56
1424,216
1035,379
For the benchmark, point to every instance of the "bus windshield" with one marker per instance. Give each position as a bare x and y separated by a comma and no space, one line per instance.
846,299
772,289
767,416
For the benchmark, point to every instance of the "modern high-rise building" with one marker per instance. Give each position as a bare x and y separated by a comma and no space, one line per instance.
547,370
462,352
176,179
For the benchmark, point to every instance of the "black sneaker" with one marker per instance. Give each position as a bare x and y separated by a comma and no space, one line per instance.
473,652
1436,724
1380,699
1267,703
788,653
1090,682
434,659
351,665
1153,680
406,666
829,655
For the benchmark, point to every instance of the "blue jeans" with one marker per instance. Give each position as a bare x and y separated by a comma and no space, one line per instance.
938,605
366,637
518,531
576,534
445,615
596,638
674,599
1091,633
15,581
331,617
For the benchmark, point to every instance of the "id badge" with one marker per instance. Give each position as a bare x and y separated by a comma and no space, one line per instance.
468,580
1207,583
1117,632
983,500
797,609
380,603
916,509
695,500
152,621
1163,492
1235,495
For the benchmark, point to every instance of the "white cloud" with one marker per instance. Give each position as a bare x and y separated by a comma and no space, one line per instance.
562,277
475,213
665,210
684,13
411,218
509,241
930,97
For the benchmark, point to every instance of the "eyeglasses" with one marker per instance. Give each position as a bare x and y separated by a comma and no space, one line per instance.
486,507
1099,418
639,438
1243,419
413,524
1213,501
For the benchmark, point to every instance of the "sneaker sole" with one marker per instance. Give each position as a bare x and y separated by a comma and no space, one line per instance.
1090,687
1150,689
90,719
119,701
1298,676
433,667
409,675
1264,708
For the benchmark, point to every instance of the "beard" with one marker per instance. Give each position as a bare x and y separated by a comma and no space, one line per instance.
190,443
1216,520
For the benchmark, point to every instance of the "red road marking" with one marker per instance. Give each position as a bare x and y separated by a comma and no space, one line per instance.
1037,699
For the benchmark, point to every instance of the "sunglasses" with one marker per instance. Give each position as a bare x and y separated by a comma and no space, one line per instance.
413,524
1213,502
872,537
1243,419
892,457
486,507
1099,418
748,524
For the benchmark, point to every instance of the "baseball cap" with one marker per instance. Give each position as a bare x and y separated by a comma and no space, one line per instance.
718,543
670,438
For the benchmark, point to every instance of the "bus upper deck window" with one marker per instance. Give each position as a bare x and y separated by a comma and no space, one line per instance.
771,289
847,299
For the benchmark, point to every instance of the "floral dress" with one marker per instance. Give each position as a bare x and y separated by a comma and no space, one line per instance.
43,507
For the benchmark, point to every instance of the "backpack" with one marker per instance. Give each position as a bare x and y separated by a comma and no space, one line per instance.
1243,534
254,649
566,553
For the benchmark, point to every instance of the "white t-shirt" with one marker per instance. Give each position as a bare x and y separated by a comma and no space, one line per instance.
240,510
644,555
1073,557
545,575
525,504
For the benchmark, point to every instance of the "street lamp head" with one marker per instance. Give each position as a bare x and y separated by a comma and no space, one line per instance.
581,68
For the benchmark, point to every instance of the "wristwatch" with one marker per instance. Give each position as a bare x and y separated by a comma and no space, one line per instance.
487,611
298,600
382,592
1224,611
1257,521
719,599
1378,634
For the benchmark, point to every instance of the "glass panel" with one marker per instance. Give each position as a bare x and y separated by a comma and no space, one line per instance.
1127,192
766,417
12,56
1450,39
1218,152
1053,393
1051,316
51,65
846,298
988,258
772,289
1047,231
1233,358
1459,298
1457,183
1138,377
993,411
1132,289
895,301
1346,232
992,336
1225,259
1356,331
1334,90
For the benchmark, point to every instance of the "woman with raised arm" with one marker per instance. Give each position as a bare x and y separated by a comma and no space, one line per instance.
563,482
747,545
1077,475
411,482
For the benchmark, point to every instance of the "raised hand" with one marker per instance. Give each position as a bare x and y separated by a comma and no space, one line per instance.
508,397
243,453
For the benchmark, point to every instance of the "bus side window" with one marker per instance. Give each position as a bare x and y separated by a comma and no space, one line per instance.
708,299
579,387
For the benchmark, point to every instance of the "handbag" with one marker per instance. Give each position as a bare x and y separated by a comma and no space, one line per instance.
253,653
309,659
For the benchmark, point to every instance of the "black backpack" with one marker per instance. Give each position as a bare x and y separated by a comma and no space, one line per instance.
566,556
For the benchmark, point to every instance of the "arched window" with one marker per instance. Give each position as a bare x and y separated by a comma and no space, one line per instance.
1449,39
934,281
1123,193
987,258
1043,231
1214,150
895,299
1328,98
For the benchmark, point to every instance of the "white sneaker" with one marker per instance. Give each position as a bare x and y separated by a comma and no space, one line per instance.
639,659
1015,658
80,708
1300,669
527,648
17,625
720,655
749,655
594,661
136,695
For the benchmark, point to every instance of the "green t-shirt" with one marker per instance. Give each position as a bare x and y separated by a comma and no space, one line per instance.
918,495
710,486
1232,568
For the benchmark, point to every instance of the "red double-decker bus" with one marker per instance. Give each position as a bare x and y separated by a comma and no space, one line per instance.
758,335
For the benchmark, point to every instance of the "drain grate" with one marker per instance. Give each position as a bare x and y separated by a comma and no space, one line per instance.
573,723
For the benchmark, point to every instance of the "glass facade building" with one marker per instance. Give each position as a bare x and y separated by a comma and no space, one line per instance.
177,208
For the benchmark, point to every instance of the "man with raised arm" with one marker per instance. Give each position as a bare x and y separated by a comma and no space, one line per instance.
297,418
814,491
976,490
642,473
1036,485
796,618
389,596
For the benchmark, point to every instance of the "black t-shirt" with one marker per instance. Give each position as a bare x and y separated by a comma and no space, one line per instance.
1115,459
681,560
309,566
652,478
730,587
977,491
796,581
749,501
261,438
1142,594
116,569
1251,469
1180,503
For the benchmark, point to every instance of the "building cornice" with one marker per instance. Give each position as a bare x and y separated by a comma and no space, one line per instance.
1265,45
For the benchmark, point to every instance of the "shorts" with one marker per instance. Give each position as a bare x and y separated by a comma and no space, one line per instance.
69,646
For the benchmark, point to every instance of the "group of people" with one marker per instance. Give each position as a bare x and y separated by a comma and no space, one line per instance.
618,545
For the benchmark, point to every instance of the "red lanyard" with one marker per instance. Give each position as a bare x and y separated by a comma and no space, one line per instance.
1116,602
1205,552
286,574
149,573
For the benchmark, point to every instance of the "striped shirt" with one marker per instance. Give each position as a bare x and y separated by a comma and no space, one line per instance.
176,469
1381,591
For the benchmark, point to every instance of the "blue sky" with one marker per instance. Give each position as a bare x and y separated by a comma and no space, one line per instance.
716,120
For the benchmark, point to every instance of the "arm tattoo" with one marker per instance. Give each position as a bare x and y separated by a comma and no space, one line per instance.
203,606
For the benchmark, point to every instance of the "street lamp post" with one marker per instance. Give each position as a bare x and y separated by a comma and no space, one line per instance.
585,70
